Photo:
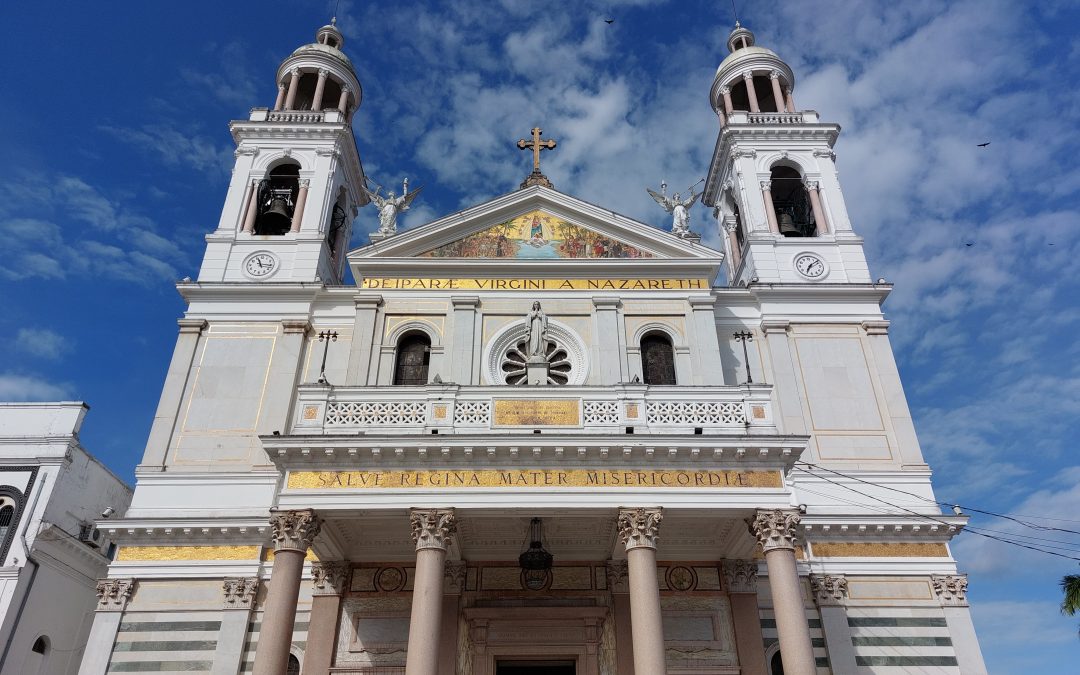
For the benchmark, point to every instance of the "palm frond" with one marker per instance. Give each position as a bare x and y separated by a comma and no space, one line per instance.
1070,587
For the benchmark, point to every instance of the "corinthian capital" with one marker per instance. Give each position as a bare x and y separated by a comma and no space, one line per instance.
432,528
951,589
775,529
829,589
811,185
774,75
748,75
329,577
113,594
640,527
294,530
240,592
724,91
766,185
740,576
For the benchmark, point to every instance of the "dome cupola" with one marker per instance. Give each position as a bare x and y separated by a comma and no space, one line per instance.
751,78
318,76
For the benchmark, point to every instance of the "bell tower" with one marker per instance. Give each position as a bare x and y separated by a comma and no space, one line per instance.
772,181
296,184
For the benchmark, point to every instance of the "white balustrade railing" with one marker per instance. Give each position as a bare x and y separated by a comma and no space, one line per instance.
448,409
294,116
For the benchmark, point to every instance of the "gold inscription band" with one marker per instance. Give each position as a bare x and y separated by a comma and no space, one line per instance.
533,478
402,283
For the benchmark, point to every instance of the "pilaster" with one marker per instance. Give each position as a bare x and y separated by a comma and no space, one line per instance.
951,592
239,595
283,377
463,349
830,594
788,387
172,394
877,335
607,350
367,310
330,580
113,596
706,346
740,582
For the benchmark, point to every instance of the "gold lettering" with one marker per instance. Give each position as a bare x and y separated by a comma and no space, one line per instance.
527,478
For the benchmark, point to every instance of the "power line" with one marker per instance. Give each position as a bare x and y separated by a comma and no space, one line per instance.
975,531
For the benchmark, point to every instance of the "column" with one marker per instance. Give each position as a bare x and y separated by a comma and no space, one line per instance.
172,394
343,100
619,587
608,352
751,93
951,591
454,578
253,209
113,596
639,530
249,192
705,343
775,532
770,210
367,309
733,241
726,93
778,96
240,594
331,580
292,533
280,96
790,102
301,202
740,582
830,592
432,530
821,225
294,82
464,346
320,87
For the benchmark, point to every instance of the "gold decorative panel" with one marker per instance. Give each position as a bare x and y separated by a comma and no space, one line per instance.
556,412
879,550
167,553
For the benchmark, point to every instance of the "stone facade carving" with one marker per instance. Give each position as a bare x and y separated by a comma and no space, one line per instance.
113,594
240,592
740,576
455,576
640,527
829,589
432,528
775,529
951,589
330,577
618,576
294,530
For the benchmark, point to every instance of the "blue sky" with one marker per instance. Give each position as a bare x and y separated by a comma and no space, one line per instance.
118,155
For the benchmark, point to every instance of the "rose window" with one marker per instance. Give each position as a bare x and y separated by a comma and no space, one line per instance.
513,364
505,355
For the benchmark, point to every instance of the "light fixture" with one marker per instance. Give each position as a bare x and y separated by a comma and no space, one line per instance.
535,562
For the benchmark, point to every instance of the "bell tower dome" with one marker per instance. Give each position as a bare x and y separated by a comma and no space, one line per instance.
772,181
296,183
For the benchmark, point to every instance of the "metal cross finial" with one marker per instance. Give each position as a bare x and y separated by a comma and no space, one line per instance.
536,145
327,336
744,337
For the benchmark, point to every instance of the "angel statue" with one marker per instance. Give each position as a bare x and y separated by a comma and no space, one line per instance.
677,207
391,205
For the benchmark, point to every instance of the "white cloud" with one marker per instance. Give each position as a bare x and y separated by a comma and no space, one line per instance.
14,387
42,343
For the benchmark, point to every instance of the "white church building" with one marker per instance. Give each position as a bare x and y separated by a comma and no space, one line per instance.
533,436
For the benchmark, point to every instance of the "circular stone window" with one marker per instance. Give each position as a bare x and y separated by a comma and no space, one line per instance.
504,356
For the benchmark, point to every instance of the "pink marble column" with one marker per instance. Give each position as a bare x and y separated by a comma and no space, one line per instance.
280,101
770,210
292,533
726,93
245,203
740,582
775,532
639,530
320,88
821,225
343,100
778,96
301,202
294,83
751,93
790,101
733,240
252,208
432,530
720,116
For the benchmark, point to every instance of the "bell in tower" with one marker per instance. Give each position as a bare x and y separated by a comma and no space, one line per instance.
772,181
297,181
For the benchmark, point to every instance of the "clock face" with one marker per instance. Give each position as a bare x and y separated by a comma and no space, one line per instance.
260,264
810,266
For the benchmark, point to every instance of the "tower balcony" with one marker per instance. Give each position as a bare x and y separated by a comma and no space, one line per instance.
446,409
330,116
772,118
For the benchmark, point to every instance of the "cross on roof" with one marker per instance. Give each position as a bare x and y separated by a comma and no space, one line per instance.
536,145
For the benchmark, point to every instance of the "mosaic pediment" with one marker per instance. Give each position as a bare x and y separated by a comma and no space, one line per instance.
537,235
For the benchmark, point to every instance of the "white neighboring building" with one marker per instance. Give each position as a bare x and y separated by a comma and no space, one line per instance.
51,491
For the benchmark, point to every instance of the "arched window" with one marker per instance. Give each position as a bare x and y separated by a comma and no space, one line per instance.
776,665
7,515
277,200
9,507
657,359
413,358
37,661
294,665
794,213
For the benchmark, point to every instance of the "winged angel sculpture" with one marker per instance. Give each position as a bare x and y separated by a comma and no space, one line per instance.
677,207
391,205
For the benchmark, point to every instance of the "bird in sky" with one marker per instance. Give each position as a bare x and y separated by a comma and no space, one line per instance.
983,145
609,21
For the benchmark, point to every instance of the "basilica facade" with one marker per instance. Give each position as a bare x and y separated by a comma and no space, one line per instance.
533,436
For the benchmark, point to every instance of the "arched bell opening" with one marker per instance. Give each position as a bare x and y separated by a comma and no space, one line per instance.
277,200
766,99
794,212
305,91
740,99
331,93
